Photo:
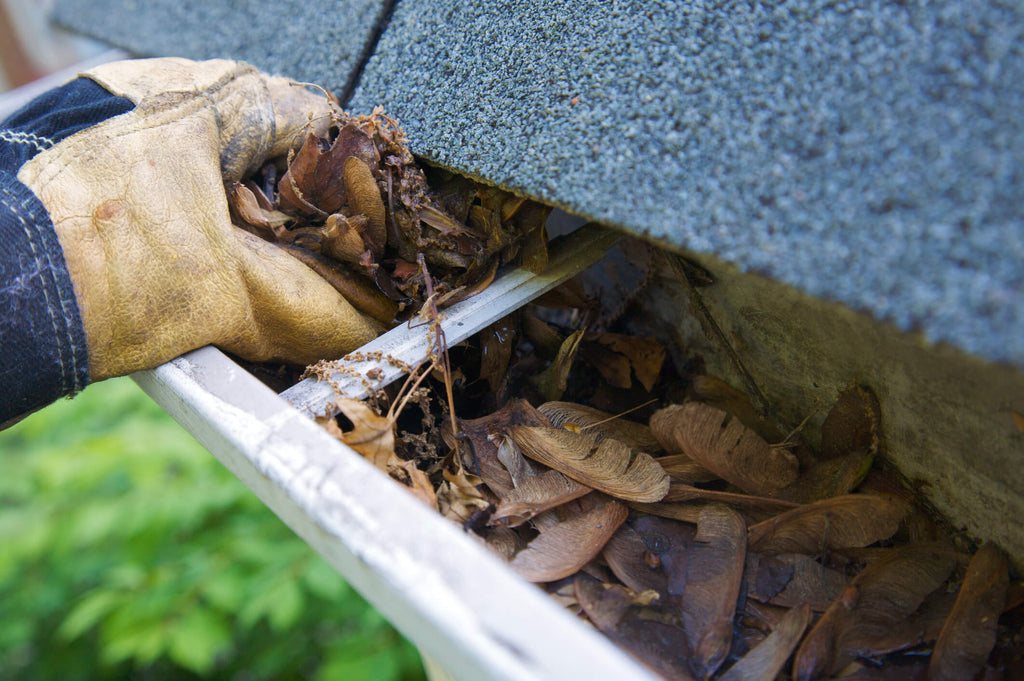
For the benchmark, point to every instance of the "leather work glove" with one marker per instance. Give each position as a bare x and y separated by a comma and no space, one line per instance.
139,206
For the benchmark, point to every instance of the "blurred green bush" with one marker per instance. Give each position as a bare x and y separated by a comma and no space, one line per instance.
128,551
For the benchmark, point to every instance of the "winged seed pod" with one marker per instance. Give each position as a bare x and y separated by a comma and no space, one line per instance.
722,444
606,465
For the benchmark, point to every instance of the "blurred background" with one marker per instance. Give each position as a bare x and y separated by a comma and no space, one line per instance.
128,552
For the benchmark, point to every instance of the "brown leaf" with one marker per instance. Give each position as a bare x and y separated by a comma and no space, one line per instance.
601,423
561,550
667,544
373,436
830,477
341,238
612,366
458,497
645,355
854,424
1018,420
683,512
497,343
414,479
612,608
545,340
714,573
970,631
721,395
722,444
853,520
765,661
480,451
683,469
633,563
682,492
534,495
297,189
876,601
607,465
552,381
364,199
791,579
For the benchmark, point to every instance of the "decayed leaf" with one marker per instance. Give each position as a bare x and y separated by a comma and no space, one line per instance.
721,395
921,627
969,633
876,601
614,610
791,579
681,492
853,520
1018,420
561,550
544,338
480,451
534,495
296,189
633,563
517,465
458,497
644,356
683,469
765,661
552,381
830,478
607,465
636,435
667,542
685,512
854,424
414,479
714,573
722,444
373,436
496,351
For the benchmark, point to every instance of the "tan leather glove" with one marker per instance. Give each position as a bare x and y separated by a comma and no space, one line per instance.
139,206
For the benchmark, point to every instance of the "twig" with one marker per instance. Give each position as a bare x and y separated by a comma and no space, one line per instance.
439,340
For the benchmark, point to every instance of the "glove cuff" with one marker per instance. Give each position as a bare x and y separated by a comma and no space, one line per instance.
43,354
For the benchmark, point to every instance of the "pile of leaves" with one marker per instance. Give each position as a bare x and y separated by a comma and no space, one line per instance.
696,532
357,208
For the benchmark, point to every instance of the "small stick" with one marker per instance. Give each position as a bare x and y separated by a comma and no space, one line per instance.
442,346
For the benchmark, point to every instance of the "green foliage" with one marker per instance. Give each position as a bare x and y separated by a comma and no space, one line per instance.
128,551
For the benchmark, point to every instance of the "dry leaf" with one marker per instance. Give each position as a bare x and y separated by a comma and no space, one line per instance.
969,634
545,340
373,436
607,465
561,550
415,480
552,381
644,355
682,469
517,465
722,444
681,492
876,601
830,477
721,395
601,423
683,512
791,579
480,452
853,520
633,563
612,608
765,661
496,351
1018,420
714,573
854,424
458,497
534,495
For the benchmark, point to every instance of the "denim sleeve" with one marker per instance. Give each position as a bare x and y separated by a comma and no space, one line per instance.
43,354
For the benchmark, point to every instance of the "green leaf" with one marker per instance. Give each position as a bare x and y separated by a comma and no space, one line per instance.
349,665
87,613
322,580
287,604
197,638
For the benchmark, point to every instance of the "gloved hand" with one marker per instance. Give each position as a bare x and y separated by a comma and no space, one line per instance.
139,206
